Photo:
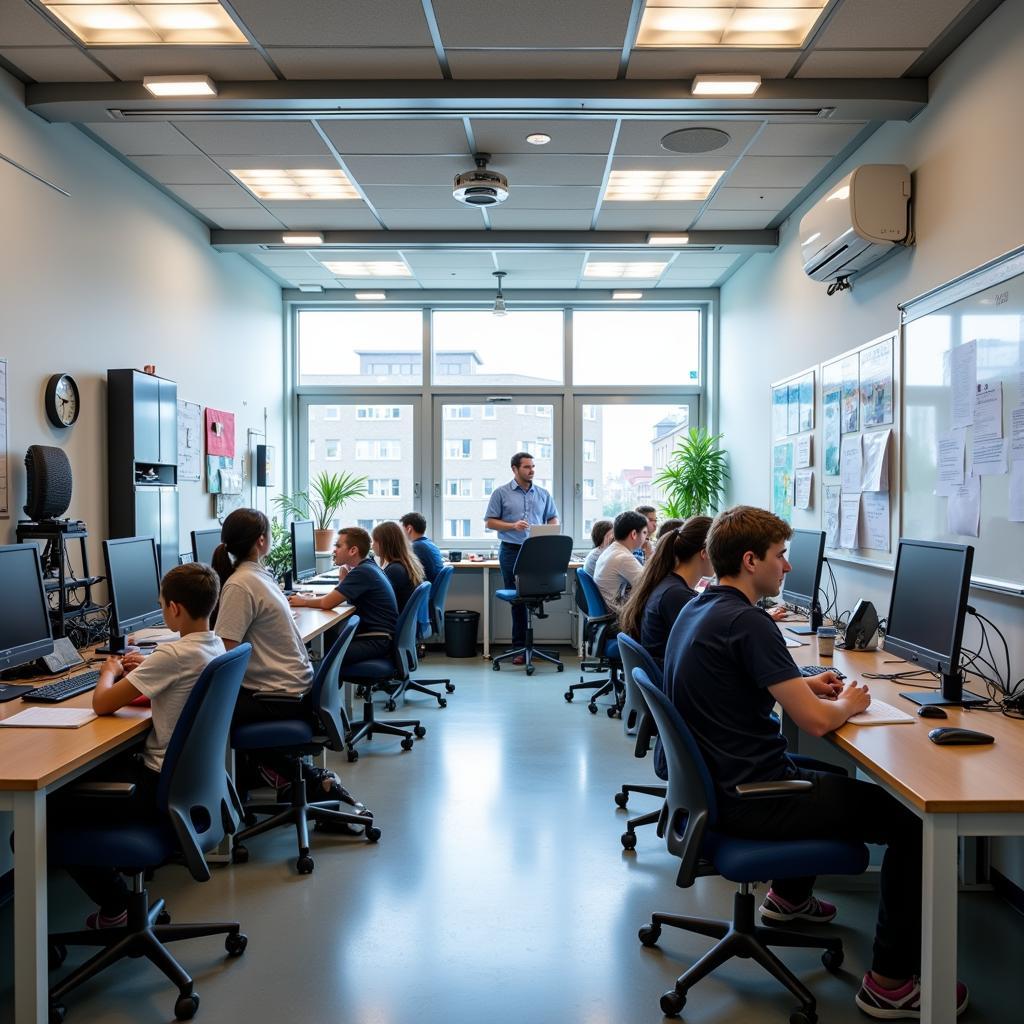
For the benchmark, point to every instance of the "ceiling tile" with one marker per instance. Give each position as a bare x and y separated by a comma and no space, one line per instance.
539,197
494,136
410,197
183,170
400,136
776,171
54,63
739,220
328,22
331,254
365,284
241,220
255,138
287,258
534,23
456,219
540,220
544,169
570,262
437,171
643,138
298,216
553,64
628,256
221,63
21,25
615,217
703,260
882,23
804,139
685,63
335,62
753,198
660,160
305,161
143,139
857,63
441,261
216,197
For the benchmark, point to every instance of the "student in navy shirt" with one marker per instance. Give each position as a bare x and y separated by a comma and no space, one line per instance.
361,583
726,666
423,547
401,567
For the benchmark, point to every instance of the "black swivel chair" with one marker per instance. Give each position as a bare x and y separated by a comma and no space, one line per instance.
541,572
600,629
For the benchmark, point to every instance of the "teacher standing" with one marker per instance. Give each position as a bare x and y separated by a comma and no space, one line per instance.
515,507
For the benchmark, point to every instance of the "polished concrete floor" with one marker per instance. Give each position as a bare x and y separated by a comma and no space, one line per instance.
499,892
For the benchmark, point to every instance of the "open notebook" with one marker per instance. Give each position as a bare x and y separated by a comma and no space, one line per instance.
50,718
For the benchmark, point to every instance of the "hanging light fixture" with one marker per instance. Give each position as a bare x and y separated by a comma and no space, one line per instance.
499,299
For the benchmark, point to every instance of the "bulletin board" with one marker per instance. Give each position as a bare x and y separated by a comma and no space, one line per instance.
794,450
963,418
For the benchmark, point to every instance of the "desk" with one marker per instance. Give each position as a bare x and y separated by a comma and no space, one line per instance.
955,791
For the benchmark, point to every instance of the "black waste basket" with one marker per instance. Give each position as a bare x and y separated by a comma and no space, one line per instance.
460,629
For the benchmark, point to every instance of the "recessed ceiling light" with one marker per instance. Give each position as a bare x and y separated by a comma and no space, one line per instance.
660,186
725,85
302,238
646,269
627,295
277,184
538,139
200,22
668,239
668,23
368,268
311,287
371,296
180,85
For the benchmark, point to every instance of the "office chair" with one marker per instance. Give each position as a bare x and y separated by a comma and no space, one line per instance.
637,721
541,568
437,597
199,806
688,823
599,631
390,674
317,722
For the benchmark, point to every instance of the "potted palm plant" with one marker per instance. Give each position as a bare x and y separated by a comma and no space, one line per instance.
279,558
327,495
694,479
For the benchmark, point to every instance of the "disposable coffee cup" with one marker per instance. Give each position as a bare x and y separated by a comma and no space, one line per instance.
826,641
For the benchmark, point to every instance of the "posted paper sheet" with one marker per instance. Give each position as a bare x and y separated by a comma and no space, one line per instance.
850,464
964,372
831,503
963,511
950,460
988,456
875,470
1016,512
803,451
1016,434
804,479
874,524
849,520
988,411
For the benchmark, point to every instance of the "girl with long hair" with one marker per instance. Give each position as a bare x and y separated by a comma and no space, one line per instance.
400,565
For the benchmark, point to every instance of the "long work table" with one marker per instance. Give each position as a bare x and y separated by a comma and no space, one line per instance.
955,791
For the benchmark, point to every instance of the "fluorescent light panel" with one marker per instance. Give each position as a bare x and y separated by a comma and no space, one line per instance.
725,85
367,268
648,269
371,296
302,238
180,85
627,295
191,22
311,287
275,184
668,23
660,186
668,239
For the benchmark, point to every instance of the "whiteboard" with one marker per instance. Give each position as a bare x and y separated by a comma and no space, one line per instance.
986,307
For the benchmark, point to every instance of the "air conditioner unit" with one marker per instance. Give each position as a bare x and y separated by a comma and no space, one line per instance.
857,223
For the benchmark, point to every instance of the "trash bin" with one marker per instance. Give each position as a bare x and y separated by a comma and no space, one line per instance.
460,629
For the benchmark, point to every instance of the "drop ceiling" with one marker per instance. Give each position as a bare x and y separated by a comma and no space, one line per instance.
397,96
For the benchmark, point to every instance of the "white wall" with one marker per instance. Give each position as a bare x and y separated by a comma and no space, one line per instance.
965,152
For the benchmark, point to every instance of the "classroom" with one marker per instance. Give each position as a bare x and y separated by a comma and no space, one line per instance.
274,270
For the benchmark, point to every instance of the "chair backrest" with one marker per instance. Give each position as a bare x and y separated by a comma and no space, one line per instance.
690,805
405,634
325,696
634,656
542,566
194,786
593,605
439,598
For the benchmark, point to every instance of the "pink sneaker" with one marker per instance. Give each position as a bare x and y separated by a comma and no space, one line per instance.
776,910
97,921
903,1003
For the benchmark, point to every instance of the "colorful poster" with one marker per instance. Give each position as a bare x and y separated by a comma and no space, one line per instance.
793,419
780,411
832,433
876,384
782,481
806,385
220,433
832,496
850,374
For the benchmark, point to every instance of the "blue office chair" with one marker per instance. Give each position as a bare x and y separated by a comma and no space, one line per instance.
637,721
434,610
309,723
688,822
200,807
391,675
600,629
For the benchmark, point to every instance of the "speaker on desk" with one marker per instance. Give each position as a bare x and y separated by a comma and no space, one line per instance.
862,629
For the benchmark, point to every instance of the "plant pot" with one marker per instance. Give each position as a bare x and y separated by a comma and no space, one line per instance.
323,539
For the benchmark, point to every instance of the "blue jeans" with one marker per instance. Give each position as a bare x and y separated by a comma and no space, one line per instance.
507,555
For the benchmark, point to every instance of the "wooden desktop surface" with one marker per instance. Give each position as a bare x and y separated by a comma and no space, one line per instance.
935,779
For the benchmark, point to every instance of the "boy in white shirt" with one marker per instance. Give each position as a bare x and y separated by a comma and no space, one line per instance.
617,569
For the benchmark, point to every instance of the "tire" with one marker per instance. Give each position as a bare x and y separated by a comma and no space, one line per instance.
186,1006
235,943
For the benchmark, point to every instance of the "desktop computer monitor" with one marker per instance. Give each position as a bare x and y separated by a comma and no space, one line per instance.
133,578
204,543
800,587
24,611
303,550
926,614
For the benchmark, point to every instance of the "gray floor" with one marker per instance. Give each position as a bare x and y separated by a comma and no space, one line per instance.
498,892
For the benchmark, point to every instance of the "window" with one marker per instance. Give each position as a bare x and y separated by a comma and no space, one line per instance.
543,447
458,448
332,412
366,524
312,451
458,412
378,449
459,487
489,448
589,451
488,486
590,412
340,346
383,487
589,490
332,449
377,412
456,528
588,525
488,412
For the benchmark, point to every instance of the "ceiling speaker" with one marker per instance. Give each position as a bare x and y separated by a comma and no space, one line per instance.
695,140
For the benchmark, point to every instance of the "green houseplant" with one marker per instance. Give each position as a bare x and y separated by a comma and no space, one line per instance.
694,479
327,495
279,558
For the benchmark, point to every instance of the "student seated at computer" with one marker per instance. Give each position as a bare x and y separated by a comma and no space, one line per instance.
415,527
601,535
650,513
617,569
666,584
667,526
726,665
401,567
362,583
188,595
253,610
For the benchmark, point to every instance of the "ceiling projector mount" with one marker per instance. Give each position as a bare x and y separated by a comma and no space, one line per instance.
480,187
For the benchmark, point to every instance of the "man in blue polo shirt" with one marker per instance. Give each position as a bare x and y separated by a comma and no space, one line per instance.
423,547
513,509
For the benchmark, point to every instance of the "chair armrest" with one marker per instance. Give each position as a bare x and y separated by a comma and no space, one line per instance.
600,620
786,787
286,699
121,790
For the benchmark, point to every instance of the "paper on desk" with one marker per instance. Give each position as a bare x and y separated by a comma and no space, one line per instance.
803,451
790,642
804,479
963,509
875,520
875,469
156,635
51,718
831,502
964,383
850,463
1016,511
849,520
950,460
988,410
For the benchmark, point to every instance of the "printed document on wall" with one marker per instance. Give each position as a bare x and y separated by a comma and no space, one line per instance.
950,461
831,517
875,470
988,411
850,464
804,458
988,456
849,520
1016,513
874,523
804,479
964,383
963,511
1017,434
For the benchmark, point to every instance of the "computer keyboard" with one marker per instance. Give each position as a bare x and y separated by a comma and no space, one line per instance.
816,670
880,713
64,689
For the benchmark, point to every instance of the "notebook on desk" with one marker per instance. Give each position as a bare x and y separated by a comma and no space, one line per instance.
50,718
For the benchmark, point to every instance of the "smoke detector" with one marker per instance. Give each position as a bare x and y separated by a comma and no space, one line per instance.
480,187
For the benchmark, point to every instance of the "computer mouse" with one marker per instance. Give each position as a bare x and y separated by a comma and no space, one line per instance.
931,711
959,737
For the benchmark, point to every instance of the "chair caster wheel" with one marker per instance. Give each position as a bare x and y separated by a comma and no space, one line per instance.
612,712
390,706
649,935
185,1007
305,865
235,943
420,731
449,687
496,666
353,756
163,917
832,959
441,702
621,799
239,854
672,1003
803,1016
407,743
57,955
561,668
592,708
372,833
57,1012
568,696
530,670
629,840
